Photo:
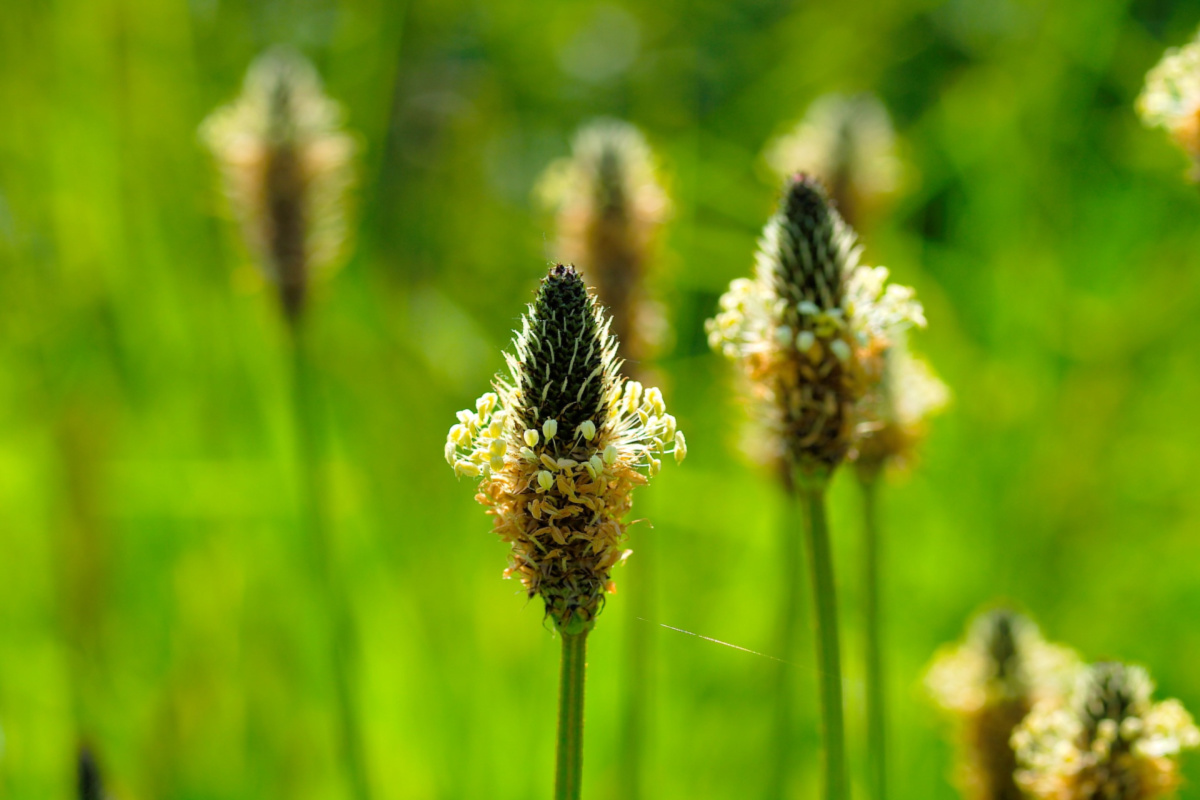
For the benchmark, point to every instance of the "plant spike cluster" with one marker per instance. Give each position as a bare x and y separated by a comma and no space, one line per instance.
559,447
1038,723
286,167
806,325
1107,741
987,684
610,205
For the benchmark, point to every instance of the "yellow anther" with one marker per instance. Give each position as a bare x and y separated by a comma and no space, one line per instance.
497,463
545,480
680,447
654,399
588,429
549,462
633,395
549,428
498,447
531,437
486,403
467,468
611,454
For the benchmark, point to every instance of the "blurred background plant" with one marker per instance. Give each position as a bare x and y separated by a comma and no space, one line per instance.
151,590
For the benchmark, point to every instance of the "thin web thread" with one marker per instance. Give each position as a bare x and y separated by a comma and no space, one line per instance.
744,649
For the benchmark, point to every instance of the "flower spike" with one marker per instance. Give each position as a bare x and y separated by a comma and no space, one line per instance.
286,166
987,684
803,325
560,446
1109,741
1171,99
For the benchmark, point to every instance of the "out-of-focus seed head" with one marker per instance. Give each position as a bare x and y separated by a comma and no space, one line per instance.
1109,740
986,684
848,143
286,169
611,205
1171,99
804,324
559,447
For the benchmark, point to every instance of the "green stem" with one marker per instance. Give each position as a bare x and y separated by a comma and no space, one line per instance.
793,586
829,662
315,520
568,774
876,703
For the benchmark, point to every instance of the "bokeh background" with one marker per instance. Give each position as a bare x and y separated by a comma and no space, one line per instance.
154,595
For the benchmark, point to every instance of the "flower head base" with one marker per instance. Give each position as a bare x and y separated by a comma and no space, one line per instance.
610,205
559,447
988,683
286,170
806,323
1109,741
849,144
1171,99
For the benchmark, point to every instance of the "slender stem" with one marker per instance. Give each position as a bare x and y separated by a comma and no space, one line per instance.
876,701
792,561
829,662
568,774
312,491
639,580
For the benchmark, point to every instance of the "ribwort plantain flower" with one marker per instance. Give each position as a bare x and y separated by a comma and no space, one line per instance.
611,204
286,169
806,323
848,143
988,683
1110,741
891,418
1171,99
559,447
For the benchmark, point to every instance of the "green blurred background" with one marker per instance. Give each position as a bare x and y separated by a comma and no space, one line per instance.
154,595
